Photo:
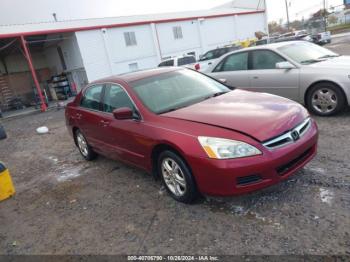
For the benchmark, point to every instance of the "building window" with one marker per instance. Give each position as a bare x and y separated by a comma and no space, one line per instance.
133,67
130,38
177,30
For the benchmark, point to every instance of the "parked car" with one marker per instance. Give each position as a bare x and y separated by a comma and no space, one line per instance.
322,38
295,36
299,70
193,132
211,56
188,61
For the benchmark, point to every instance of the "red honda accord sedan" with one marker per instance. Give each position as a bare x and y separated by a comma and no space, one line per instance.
193,132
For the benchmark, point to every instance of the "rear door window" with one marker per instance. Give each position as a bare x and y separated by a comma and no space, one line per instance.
234,62
92,97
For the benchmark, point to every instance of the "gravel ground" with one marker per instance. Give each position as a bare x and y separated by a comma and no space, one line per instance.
65,205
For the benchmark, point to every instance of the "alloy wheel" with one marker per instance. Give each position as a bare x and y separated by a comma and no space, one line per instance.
174,177
82,144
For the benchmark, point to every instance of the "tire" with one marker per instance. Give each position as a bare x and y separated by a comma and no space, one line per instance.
2,133
325,99
85,150
181,185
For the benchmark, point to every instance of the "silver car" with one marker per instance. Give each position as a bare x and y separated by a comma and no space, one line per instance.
298,70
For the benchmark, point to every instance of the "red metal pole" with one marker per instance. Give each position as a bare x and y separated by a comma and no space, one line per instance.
32,70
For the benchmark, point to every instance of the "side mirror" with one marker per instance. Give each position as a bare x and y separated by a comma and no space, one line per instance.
284,65
123,113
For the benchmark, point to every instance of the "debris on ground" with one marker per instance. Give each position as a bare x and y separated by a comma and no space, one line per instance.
42,130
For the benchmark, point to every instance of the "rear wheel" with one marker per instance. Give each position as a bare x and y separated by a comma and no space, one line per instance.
325,99
85,150
177,177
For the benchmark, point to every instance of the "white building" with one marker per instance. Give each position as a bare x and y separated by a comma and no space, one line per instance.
89,49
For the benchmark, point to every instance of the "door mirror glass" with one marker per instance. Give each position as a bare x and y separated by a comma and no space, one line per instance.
284,65
123,113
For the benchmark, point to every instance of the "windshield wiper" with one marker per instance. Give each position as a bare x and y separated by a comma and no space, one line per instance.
311,61
328,56
171,109
216,94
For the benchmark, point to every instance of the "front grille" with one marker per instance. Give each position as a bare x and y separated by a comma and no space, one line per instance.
282,170
246,180
290,136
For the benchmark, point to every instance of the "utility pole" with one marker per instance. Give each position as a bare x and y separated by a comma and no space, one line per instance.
287,14
325,15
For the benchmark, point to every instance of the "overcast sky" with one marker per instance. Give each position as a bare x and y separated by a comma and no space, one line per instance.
298,8
23,11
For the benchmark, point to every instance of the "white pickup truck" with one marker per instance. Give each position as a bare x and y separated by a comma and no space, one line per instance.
323,38
210,57
188,61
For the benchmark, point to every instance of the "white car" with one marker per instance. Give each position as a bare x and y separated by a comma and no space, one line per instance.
188,61
298,70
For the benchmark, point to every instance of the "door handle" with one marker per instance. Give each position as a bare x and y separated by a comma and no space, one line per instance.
210,63
223,80
78,116
255,77
104,123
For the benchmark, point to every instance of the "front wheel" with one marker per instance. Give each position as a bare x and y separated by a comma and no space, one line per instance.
325,99
177,177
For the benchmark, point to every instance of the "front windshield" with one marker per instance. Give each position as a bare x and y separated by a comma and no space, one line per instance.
173,90
306,53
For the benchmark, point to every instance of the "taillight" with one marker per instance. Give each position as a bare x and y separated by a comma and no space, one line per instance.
197,66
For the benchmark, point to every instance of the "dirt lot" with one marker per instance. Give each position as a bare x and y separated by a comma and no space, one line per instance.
65,205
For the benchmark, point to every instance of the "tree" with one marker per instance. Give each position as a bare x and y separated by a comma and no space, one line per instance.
332,19
274,27
320,14
296,25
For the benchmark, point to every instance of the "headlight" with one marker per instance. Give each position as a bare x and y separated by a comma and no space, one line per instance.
220,148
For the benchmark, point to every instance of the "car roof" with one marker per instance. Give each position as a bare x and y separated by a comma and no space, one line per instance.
137,75
267,46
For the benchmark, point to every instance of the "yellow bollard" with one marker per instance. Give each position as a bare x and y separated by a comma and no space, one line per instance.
6,186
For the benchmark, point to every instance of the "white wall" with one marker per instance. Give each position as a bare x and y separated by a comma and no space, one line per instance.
218,32
169,46
94,54
247,25
105,53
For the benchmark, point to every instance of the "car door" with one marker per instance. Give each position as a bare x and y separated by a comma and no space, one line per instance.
89,113
265,77
233,70
123,139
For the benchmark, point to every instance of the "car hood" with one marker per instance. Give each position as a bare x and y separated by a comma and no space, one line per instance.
259,115
334,63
